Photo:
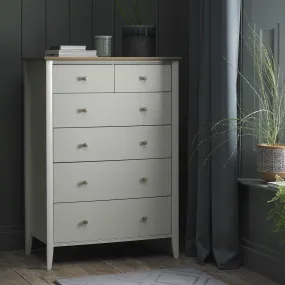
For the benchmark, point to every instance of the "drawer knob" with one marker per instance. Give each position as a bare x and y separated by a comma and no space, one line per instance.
143,143
83,145
143,109
83,183
84,110
82,78
85,222
143,180
143,78
144,219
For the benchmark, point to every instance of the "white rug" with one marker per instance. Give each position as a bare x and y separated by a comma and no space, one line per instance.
177,276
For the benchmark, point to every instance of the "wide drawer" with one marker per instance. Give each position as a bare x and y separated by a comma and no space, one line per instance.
142,78
121,143
90,181
83,78
112,220
111,109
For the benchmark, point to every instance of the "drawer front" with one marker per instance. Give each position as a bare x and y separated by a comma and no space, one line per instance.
107,220
111,109
142,78
110,180
97,144
83,78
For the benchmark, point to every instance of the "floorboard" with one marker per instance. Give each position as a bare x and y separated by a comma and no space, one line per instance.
18,269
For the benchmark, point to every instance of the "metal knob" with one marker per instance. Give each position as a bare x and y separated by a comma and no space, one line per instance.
82,78
83,183
143,180
84,110
143,109
143,78
143,143
83,145
144,219
85,222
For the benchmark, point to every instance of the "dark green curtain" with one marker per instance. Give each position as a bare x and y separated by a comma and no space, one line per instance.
212,221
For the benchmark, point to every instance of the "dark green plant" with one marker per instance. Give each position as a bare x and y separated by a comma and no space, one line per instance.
129,20
277,213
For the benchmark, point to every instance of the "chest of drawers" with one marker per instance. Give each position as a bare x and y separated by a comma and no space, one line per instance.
101,151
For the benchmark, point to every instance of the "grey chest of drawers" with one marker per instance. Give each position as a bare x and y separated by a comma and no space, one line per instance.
101,151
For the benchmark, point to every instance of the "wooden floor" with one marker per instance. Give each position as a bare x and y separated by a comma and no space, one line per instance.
18,269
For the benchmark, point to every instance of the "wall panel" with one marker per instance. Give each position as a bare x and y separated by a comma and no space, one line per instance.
81,18
57,22
11,217
33,28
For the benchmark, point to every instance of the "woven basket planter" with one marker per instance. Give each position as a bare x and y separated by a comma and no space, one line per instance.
271,161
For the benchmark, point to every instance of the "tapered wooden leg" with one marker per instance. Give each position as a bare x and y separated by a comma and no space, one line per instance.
175,246
50,250
28,243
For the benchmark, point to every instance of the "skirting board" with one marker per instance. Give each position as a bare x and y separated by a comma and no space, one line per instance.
11,238
261,247
264,264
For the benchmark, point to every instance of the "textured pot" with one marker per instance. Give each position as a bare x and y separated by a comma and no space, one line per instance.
139,41
271,161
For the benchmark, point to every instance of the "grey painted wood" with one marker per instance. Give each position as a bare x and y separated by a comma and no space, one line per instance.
262,249
33,28
57,22
10,118
103,19
169,33
149,15
12,237
194,63
174,40
81,26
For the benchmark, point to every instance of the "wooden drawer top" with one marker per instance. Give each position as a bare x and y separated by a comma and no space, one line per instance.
113,58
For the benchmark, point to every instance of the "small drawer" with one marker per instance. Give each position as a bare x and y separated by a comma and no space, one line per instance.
111,109
119,143
83,78
142,78
112,220
99,181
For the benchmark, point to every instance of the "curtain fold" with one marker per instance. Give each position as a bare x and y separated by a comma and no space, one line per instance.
212,221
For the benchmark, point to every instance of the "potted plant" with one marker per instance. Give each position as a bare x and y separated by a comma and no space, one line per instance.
267,123
138,40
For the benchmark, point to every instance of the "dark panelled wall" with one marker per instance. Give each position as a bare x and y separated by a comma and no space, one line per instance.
27,27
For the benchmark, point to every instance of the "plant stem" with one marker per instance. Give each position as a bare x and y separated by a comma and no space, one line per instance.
124,15
137,14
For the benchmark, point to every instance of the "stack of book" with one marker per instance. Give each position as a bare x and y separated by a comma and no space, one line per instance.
276,184
70,51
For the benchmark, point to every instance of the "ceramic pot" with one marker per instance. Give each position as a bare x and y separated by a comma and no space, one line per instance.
271,161
139,41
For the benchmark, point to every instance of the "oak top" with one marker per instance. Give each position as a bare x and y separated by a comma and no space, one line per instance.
54,58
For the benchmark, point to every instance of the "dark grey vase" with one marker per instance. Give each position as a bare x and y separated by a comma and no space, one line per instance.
139,41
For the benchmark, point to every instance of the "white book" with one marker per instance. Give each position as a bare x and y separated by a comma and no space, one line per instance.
86,53
64,47
69,51
276,184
